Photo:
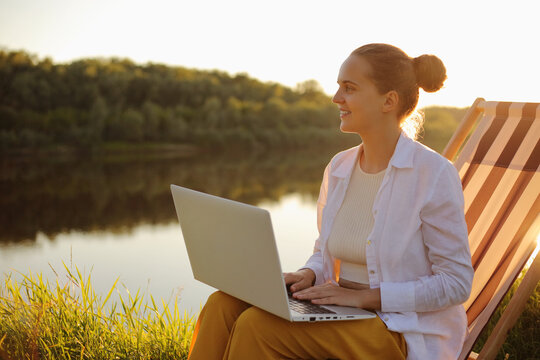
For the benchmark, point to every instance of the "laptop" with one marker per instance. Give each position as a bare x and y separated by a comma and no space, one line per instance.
231,247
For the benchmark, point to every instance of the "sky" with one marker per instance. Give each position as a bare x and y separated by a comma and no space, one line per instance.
490,48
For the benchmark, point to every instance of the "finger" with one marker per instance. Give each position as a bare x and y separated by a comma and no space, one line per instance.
291,278
318,291
287,278
325,301
307,293
296,282
295,287
322,287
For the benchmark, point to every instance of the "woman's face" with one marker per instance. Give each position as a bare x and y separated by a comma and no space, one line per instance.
360,104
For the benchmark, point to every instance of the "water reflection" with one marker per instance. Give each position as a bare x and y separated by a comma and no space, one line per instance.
150,258
116,218
54,196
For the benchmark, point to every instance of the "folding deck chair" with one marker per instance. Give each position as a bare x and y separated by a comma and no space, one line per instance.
499,170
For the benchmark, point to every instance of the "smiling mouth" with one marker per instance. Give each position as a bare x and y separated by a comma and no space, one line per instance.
343,113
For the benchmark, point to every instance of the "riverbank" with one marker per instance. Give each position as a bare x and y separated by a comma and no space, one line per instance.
119,150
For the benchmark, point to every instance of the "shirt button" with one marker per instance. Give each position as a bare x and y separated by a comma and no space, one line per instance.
371,272
369,242
386,318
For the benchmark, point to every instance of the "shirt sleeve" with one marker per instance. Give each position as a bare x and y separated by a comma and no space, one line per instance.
445,236
315,262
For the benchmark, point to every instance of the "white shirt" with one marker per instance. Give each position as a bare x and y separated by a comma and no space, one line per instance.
417,253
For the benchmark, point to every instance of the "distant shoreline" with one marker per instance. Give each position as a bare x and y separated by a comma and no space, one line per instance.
145,149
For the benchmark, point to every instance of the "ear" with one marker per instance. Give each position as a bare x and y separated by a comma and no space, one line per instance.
391,101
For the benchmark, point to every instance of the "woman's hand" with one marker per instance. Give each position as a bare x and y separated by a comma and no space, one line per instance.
299,280
330,294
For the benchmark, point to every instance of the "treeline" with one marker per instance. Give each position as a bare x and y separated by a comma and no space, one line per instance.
440,124
89,102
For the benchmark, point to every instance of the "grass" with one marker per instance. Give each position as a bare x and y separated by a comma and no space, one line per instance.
69,321
523,340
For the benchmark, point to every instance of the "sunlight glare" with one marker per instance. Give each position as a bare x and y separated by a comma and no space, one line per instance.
307,41
535,252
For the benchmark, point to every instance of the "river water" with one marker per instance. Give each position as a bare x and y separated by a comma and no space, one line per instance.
114,218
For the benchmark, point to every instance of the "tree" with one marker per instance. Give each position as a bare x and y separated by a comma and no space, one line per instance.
311,90
131,123
97,118
152,120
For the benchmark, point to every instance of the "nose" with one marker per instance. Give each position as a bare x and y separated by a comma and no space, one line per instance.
337,98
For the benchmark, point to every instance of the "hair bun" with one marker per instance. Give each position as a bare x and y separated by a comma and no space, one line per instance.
430,72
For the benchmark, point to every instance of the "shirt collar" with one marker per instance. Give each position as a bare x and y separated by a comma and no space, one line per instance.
404,152
402,157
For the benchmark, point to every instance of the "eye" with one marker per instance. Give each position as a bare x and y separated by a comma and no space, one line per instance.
348,88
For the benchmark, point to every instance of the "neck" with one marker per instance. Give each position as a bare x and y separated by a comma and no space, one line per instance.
378,148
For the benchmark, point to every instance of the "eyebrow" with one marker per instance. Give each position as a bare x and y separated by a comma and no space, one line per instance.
348,82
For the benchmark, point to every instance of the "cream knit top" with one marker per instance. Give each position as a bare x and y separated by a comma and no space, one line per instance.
353,223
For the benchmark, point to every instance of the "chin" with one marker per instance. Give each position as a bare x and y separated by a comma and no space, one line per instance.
347,129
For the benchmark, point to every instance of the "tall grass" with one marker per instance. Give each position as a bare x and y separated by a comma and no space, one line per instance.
69,321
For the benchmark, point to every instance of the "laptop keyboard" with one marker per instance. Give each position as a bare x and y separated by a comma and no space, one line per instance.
306,307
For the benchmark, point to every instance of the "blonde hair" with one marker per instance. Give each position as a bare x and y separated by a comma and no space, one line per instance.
413,125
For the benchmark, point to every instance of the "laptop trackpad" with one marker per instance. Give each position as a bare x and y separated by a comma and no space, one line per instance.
347,310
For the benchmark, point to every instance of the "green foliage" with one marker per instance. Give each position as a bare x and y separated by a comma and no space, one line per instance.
91,101
440,124
70,321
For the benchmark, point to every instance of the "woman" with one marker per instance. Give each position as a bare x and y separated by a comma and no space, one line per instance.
392,237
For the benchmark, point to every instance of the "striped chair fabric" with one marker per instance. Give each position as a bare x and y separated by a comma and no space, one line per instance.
499,168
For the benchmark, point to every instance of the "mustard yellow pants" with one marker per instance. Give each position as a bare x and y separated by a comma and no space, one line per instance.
229,328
